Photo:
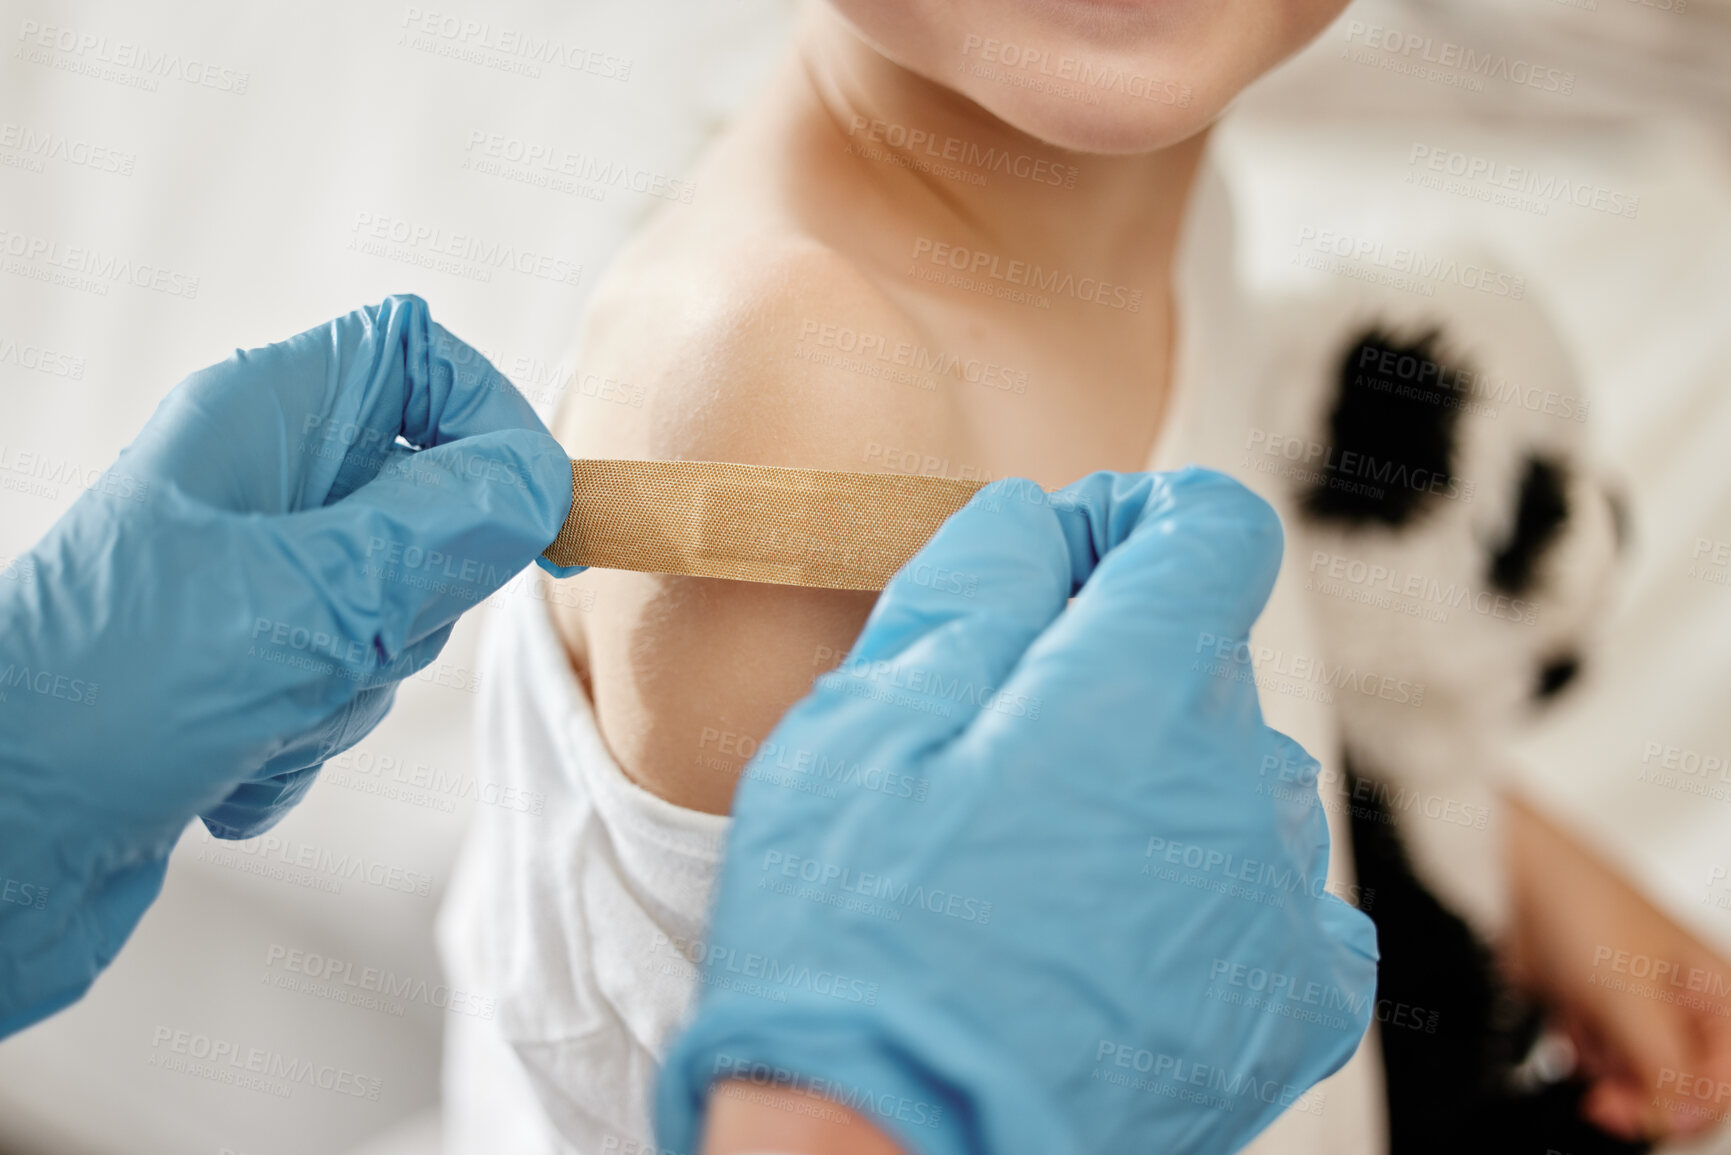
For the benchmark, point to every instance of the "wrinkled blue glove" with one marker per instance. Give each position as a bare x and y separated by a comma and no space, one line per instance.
1027,878
234,602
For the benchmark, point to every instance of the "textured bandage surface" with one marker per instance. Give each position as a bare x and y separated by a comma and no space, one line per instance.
756,523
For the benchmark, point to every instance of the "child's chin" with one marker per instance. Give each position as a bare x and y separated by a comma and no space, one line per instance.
1102,129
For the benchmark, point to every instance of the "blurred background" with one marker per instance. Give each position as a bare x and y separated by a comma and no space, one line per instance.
179,179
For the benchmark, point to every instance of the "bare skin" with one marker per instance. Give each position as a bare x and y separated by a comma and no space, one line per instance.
718,311
744,1119
1657,1054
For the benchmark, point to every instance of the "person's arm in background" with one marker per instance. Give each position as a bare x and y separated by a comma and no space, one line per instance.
1627,817
1643,1000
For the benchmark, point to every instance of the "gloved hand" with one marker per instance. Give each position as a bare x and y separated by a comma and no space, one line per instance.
1067,894
234,602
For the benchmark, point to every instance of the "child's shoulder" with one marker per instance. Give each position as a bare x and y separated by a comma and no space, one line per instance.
746,341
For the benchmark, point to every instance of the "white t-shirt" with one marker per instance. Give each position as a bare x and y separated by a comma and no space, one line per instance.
571,913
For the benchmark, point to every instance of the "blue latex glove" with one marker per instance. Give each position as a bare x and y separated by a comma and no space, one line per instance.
234,602
1048,905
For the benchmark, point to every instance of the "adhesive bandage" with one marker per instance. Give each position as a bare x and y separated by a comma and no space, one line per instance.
757,523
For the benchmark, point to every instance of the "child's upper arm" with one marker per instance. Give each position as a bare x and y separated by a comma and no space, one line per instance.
688,674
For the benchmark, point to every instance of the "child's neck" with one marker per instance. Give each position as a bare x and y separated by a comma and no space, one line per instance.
925,147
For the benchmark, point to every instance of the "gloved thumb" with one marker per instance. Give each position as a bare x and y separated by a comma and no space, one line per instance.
1189,573
437,531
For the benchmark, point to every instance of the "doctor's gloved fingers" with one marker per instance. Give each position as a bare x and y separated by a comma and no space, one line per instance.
1351,935
961,612
259,802
1289,781
398,373
1000,557
1103,510
392,371
252,808
461,392
301,422
404,555
1099,512
1139,643
1201,554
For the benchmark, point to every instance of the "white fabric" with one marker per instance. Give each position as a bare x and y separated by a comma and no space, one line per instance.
1222,388
572,916
573,919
